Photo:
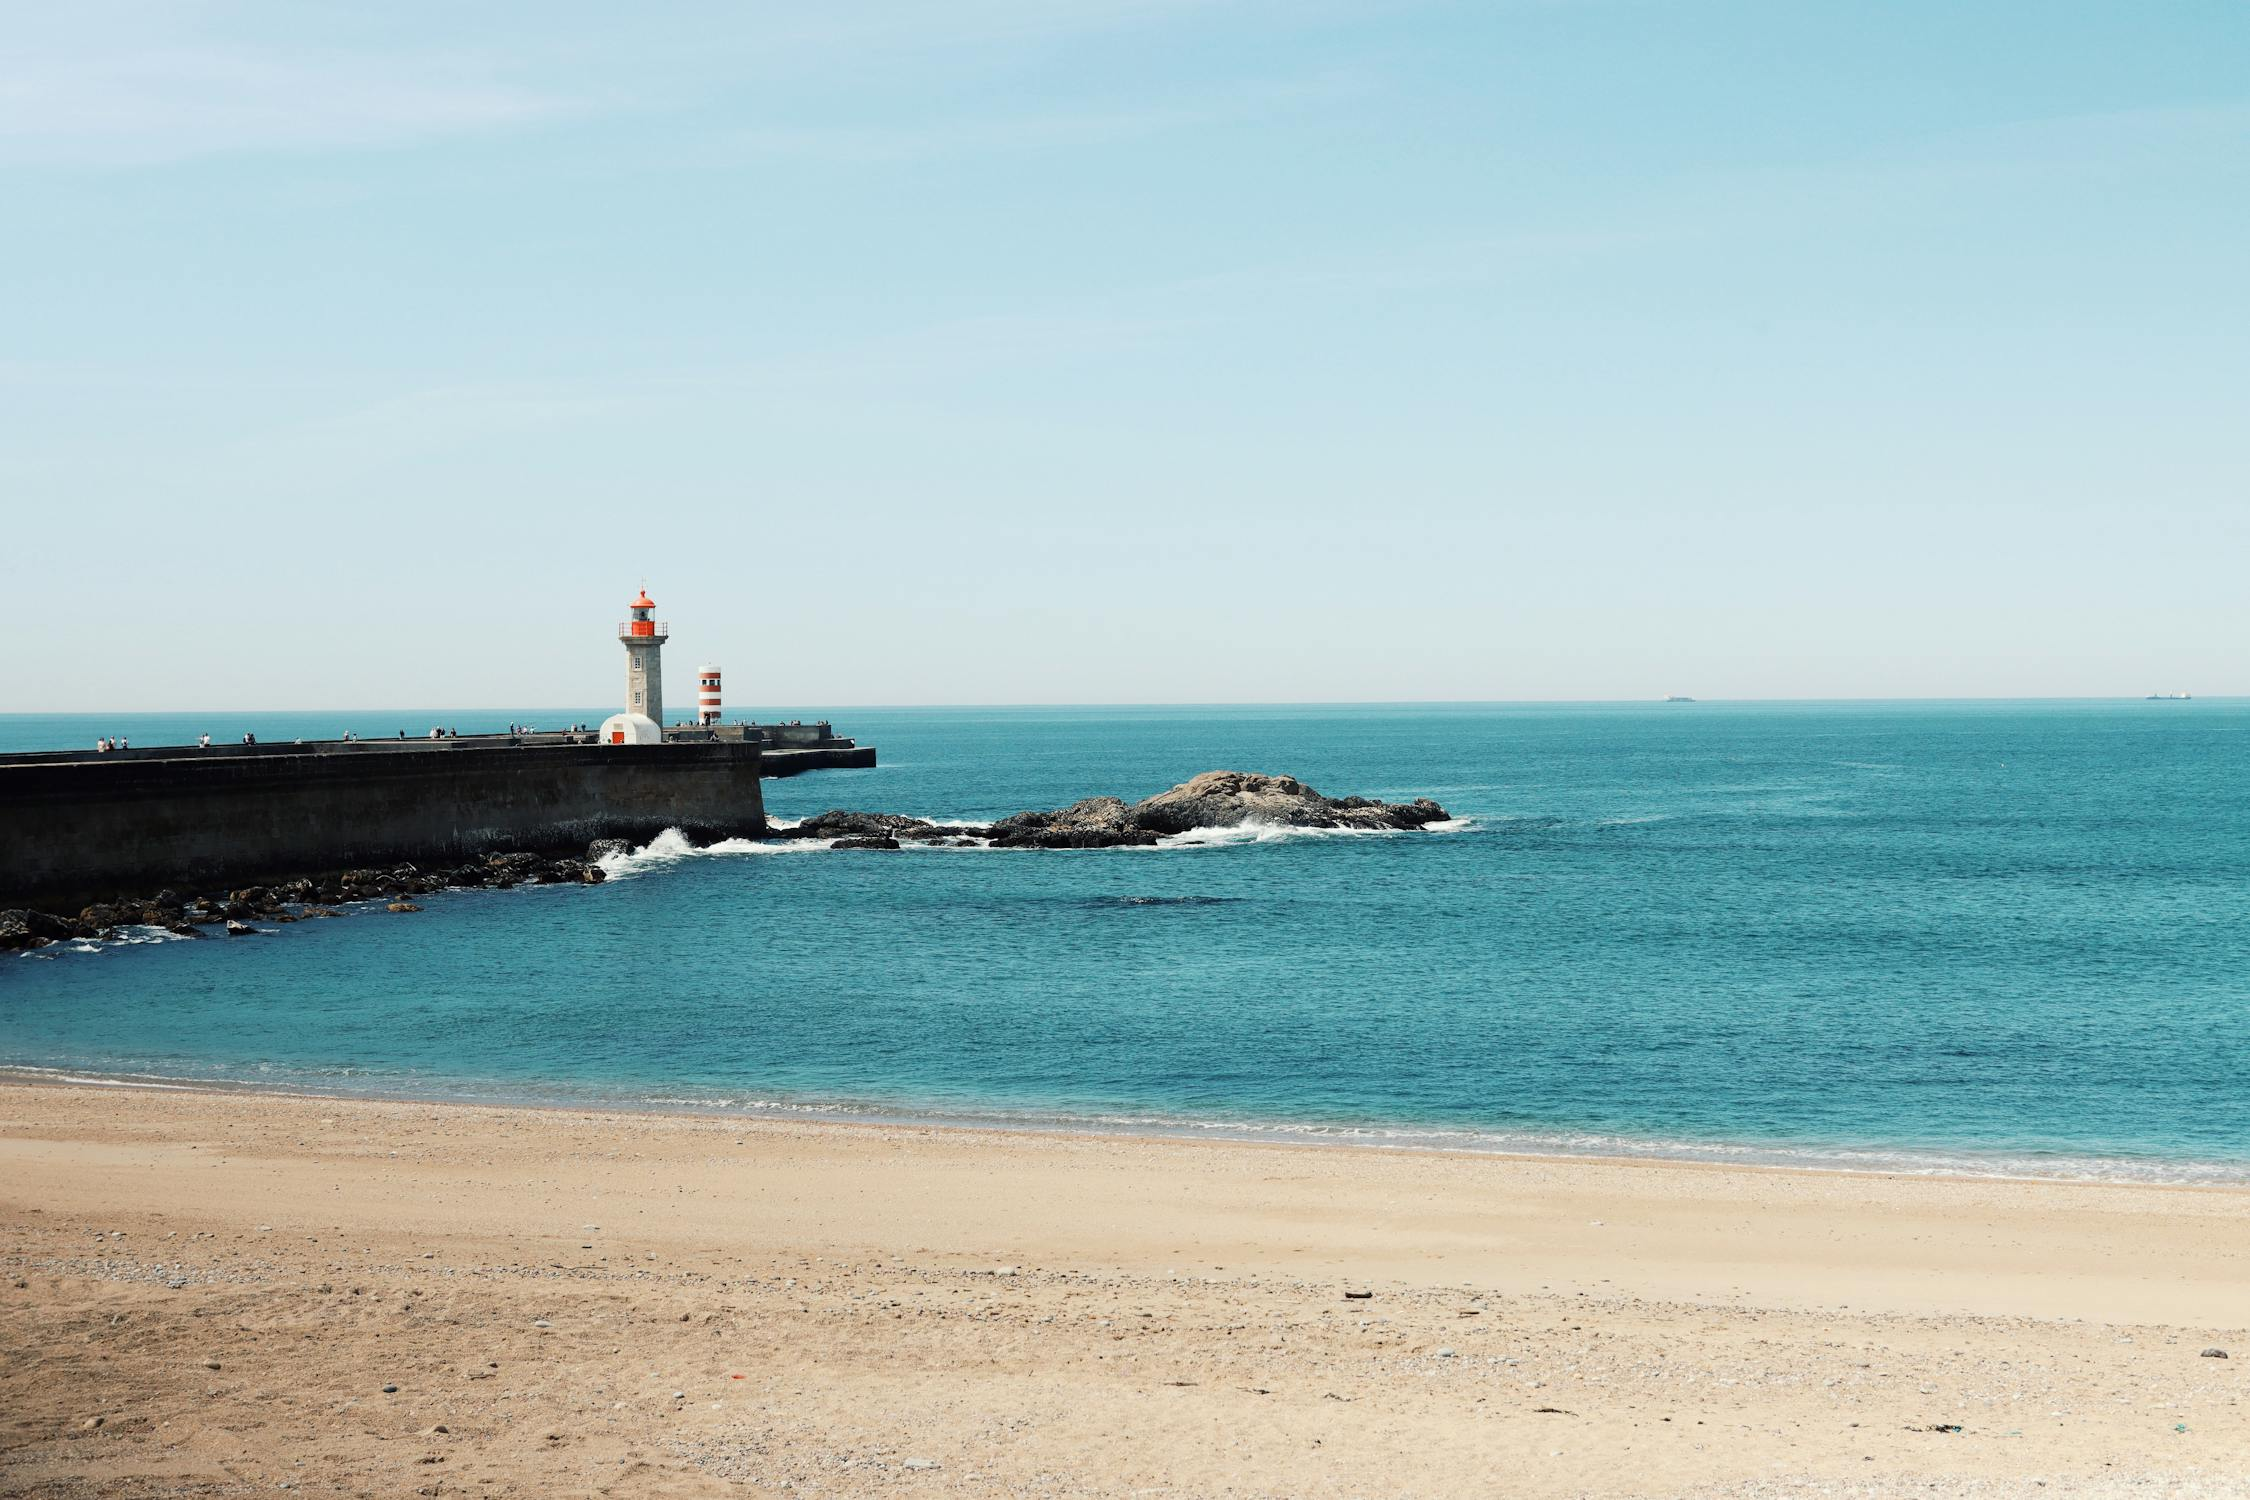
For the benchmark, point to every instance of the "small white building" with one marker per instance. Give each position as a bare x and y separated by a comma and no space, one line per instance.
631,729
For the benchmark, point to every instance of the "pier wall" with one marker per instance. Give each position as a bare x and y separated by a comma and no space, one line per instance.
842,755
80,830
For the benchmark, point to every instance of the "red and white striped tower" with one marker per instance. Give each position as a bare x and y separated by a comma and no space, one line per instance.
707,695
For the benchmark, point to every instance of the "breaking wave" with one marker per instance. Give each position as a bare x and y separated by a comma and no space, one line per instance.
1277,833
135,936
671,847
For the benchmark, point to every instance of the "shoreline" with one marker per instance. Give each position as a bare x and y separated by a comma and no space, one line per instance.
1351,1139
218,1291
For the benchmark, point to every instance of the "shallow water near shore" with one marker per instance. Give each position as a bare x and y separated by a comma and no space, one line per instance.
1940,937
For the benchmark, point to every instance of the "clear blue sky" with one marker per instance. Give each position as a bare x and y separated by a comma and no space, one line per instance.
1124,350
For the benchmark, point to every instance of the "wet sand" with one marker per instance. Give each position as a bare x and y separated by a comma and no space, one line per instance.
208,1293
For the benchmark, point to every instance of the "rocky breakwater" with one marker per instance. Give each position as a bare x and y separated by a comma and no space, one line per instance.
236,912
1216,799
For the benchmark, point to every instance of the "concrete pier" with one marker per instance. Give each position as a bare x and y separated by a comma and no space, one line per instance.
82,826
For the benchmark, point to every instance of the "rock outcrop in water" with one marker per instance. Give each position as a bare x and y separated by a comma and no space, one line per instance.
1216,799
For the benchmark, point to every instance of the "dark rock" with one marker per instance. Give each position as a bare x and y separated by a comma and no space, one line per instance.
1066,836
1216,799
866,842
23,930
183,929
1092,823
2214,1352
604,848
402,906
239,929
312,911
837,823
1229,799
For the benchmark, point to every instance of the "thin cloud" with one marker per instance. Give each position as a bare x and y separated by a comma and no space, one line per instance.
128,82
847,144
165,103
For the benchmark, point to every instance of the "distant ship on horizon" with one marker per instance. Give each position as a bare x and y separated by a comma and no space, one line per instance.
1677,698
2168,697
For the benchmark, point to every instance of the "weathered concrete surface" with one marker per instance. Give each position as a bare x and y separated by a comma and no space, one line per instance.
80,830
844,757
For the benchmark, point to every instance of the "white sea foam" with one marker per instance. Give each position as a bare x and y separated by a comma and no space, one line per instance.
671,847
1254,833
93,1080
1917,1162
1276,833
131,936
145,934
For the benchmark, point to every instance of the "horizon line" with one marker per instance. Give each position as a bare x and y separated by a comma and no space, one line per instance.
1659,701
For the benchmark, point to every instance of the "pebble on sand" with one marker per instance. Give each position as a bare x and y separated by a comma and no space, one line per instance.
2214,1352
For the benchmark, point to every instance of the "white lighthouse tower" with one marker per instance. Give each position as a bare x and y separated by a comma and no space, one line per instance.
644,637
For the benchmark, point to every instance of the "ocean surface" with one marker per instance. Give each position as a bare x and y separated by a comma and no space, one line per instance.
1968,937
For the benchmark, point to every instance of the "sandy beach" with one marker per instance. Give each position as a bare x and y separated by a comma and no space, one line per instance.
213,1293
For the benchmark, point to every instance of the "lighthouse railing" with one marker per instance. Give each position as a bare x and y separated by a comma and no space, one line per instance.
643,630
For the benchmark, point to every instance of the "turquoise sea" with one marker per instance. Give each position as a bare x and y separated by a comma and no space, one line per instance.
2004,937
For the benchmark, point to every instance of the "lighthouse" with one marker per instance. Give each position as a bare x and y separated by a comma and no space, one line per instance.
707,695
644,637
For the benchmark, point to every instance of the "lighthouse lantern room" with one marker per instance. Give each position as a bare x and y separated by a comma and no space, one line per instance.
644,636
